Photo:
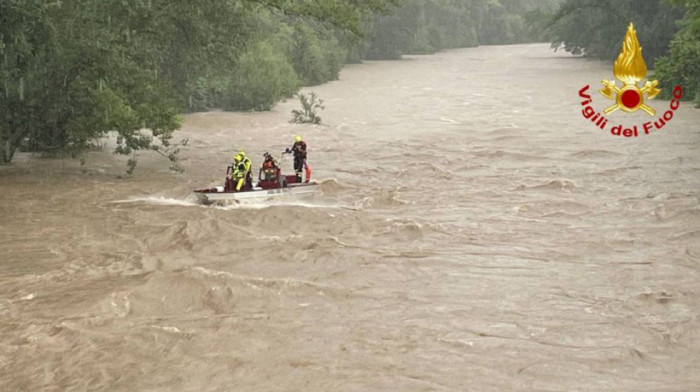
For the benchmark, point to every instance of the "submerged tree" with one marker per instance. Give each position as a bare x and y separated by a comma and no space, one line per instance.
310,105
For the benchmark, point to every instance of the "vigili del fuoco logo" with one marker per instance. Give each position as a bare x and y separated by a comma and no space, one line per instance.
630,69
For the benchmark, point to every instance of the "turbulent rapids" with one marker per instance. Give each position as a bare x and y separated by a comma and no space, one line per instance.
462,237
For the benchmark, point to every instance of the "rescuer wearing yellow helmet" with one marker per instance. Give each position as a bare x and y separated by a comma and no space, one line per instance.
248,167
239,172
299,151
241,175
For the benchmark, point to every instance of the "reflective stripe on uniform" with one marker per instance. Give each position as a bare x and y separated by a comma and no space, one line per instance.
239,170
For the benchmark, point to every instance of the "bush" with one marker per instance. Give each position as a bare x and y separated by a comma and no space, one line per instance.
681,66
309,106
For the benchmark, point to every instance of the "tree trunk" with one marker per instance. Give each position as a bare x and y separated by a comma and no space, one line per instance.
8,150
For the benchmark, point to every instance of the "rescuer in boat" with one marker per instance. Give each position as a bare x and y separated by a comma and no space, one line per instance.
299,151
248,167
240,173
270,169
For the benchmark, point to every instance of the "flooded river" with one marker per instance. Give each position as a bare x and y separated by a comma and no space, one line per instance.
473,233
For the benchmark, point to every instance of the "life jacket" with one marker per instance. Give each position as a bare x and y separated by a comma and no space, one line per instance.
270,169
299,149
247,163
239,170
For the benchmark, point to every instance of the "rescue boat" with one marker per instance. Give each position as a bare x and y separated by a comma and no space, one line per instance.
263,189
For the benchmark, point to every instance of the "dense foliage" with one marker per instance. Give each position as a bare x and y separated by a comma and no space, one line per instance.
597,27
671,41
682,65
60,93
73,70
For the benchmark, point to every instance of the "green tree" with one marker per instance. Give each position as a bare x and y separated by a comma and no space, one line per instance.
316,55
682,64
261,77
62,93
596,28
73,70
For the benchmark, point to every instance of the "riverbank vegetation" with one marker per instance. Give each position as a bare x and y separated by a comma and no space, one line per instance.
73,70
668,30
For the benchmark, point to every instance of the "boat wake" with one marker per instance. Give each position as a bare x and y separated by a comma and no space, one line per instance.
160,200
231,205
260,205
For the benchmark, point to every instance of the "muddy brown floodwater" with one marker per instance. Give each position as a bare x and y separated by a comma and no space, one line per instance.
474,233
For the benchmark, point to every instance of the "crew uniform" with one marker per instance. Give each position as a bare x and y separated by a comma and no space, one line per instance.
242,177
248,168
239,172
270,169
299,151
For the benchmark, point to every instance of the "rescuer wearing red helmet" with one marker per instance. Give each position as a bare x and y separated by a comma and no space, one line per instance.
269,171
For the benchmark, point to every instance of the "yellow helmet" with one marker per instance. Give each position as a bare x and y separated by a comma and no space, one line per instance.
297,138
241,153
238,157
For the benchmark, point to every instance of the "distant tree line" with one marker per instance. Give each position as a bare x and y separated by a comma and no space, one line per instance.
669,32
427,26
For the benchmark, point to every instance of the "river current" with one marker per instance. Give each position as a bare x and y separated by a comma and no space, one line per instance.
473,233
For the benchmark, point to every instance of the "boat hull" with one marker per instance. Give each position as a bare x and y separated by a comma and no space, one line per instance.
219,194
